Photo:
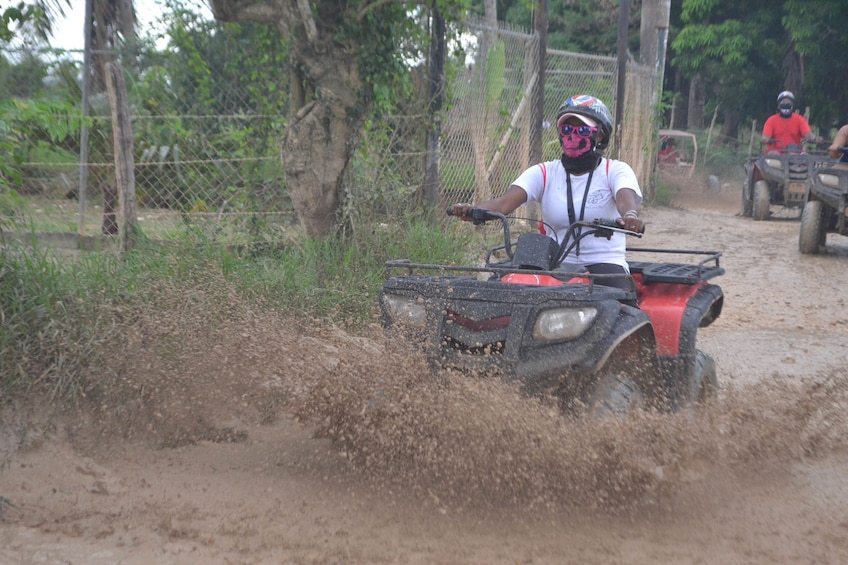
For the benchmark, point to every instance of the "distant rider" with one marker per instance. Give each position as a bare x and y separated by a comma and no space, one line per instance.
786,127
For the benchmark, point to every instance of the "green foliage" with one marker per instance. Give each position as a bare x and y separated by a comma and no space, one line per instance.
746,52
382,176
33,131
11,205
34,14
461,175
663,192
212,68
582,26
819,33
11,14
381,49
209,70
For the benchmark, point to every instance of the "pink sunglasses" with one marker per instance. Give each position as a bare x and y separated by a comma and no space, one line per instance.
582,131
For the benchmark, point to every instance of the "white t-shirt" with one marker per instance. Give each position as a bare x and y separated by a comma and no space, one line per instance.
546,183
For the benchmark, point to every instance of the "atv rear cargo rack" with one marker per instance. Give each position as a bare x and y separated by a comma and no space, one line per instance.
677,273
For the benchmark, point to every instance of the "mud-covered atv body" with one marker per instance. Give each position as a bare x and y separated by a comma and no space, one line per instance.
562,334
826,209
774,179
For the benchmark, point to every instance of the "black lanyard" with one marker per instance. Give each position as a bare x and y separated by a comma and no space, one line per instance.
571,214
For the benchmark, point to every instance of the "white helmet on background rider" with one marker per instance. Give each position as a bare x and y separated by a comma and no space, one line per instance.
785,103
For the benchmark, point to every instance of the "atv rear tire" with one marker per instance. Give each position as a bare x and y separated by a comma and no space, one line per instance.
762,199
615,395
812,228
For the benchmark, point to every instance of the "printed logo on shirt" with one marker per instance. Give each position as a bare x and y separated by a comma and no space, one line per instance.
597,198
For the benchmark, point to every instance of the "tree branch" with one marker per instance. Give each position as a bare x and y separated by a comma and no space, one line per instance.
308,21
260,11
374,5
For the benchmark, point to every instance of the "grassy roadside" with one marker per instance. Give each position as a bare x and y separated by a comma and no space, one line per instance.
62,317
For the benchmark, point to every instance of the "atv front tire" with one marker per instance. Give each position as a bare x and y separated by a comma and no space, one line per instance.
615,395
704,379
747,203
762,199
812,228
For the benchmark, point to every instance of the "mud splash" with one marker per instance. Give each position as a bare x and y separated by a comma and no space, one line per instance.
472,443
455,442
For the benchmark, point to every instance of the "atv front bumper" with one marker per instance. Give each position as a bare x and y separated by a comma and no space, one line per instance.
535,335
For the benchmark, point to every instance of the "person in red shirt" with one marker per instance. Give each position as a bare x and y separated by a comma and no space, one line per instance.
786,127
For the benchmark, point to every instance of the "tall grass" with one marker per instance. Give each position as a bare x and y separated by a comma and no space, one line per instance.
42,316
337,280
663,191
60,316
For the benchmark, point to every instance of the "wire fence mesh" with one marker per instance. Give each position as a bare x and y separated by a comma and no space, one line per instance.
222,174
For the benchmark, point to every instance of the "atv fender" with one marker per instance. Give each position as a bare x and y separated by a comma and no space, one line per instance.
625,346
677,311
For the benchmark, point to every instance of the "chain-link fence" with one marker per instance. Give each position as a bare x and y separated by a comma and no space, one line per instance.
222,173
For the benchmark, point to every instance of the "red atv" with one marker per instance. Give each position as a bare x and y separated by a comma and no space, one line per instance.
524,320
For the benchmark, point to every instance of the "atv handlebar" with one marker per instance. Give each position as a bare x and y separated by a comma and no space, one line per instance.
791,148
480,215
599,227
601,224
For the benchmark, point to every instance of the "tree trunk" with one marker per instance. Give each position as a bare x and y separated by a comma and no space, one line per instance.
315,157
326,112
695,113
436,80
122,141
317,147
112,26
109,224
730,127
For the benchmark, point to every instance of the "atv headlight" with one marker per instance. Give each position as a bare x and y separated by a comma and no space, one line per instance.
774,163
405,310
829,180
563,323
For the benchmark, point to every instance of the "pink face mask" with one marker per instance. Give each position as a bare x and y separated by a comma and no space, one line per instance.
576,140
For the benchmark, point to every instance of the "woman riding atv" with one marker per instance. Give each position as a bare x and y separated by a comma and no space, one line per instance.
582,184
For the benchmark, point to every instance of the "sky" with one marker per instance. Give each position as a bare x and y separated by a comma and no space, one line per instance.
68,32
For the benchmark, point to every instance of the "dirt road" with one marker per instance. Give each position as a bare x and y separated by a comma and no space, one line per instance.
467,473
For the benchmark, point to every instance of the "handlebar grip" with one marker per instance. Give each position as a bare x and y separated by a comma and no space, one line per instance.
479,215
607,223
610,223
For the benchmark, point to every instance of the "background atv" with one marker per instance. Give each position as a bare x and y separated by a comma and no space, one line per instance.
558,333
776,179
827,206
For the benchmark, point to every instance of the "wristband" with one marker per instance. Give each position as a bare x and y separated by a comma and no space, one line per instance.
631,214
